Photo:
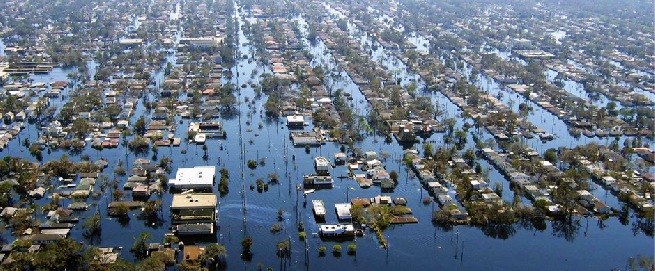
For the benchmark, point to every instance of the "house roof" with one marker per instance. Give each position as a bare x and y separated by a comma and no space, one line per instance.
202,175
192,253
194,201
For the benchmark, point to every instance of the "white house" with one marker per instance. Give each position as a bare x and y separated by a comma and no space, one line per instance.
197,178
123,123
608,180
444,199
584,194
322,165
370,155
295,121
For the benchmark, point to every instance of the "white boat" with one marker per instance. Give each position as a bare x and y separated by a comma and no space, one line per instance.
200,138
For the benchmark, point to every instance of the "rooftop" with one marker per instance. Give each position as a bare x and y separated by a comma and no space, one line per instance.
194,201
295,119
201,175
192,253
321,161
343,210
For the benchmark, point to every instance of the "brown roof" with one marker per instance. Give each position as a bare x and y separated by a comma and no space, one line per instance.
192,253
362,202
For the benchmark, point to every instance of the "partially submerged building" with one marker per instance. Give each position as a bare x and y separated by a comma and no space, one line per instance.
194,213
196,178
295,122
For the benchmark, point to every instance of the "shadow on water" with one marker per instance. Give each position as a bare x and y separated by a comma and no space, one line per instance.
190,240
444,227
230,114
124,221
643,225
499,231
567,228
93,238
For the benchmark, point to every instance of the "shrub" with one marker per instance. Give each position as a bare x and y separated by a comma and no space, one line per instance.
276,228
223,185
246,244
352,248
401,210
252,164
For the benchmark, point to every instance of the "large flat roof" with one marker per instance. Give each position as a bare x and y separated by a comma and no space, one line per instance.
194,201
201,175
295,119
130,41
343,210
321,161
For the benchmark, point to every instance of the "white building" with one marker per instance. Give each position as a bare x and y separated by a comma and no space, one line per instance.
322,165
130,42
202,42
343,211
295,121
197,178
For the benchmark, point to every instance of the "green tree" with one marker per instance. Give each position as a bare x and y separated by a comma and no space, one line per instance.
63,254
140,126
336,248
152,263
541,205
228,101
93,225
393,175
223,185
550,155
61,168
246,244
215,254
5,194
428,149
460,137
20,262
469,157
566,196
140,246
252,164
151,209
80,127
21,221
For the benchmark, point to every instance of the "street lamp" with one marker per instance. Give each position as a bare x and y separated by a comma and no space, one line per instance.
348,191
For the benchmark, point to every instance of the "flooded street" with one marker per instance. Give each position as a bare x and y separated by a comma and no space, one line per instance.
343,53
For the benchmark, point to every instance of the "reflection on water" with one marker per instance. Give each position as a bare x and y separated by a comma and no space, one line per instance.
413,247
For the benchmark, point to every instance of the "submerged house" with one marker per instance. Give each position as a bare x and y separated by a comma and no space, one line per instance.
194,213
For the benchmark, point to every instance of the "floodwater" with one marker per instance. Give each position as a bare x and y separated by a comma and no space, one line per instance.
587,245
